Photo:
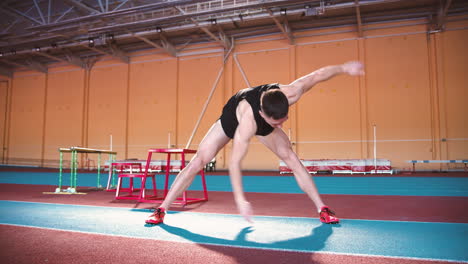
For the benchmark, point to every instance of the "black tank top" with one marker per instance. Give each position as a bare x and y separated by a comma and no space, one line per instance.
228,118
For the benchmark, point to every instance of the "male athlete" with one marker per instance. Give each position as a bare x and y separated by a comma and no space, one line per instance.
259,111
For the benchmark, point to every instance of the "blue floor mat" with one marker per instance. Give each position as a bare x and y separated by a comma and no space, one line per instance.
435,241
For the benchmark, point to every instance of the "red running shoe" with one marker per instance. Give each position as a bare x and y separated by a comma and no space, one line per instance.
327,216
157,217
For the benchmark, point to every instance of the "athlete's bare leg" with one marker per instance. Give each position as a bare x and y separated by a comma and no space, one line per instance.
212,143
279,143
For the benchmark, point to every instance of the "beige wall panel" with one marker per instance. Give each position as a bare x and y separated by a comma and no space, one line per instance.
108,62
196,79
395,28
152,106
62,67
330,112
455,67
459,22
329,150
108,108
150,55
323,35
3,115
270,42
262,67
399,152
64,112
27,117
399,96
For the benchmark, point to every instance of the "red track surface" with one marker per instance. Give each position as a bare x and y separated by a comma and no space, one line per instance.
33,245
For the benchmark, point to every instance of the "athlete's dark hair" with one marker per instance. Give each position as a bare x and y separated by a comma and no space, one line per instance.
275,104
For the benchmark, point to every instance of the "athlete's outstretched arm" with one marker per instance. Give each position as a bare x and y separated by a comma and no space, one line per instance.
302,85
244,132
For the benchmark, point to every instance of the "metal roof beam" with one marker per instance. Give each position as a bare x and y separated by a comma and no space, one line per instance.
358,16
34,65
13,12
442,14
30,64
120,5
168,47
284,28
82,6
71,59
119,54
223,37
205,29
39,11
98,15
64,14
116,53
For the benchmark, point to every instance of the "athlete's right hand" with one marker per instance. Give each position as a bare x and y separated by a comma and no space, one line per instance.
245,209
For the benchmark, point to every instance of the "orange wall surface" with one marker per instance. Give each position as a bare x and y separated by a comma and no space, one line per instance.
26,126
413,93
64,112
152,106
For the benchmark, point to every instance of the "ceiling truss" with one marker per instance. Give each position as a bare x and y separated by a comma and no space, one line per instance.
37,33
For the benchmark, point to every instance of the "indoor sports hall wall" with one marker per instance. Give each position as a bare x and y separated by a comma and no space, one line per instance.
414,92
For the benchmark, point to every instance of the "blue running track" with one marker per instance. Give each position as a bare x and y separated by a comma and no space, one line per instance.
417,186
432,241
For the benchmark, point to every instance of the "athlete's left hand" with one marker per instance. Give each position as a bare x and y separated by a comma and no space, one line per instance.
353,68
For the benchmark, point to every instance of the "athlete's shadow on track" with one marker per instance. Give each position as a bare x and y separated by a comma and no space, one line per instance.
278,252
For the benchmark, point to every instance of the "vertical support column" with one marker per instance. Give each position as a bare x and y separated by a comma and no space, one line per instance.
4,97
363,103
75,173
168,168
441,97
182,166
111,160
73,170
85,117
433,85
110,178
99,171
44,120
143,181
60,172
72,166
6,137
127,112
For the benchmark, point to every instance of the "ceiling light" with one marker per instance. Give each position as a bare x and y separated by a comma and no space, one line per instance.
91,42
158,29
213,21
283,12
37,49
110,38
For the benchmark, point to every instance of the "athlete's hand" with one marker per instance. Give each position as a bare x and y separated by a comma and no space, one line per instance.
245,209
353,68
